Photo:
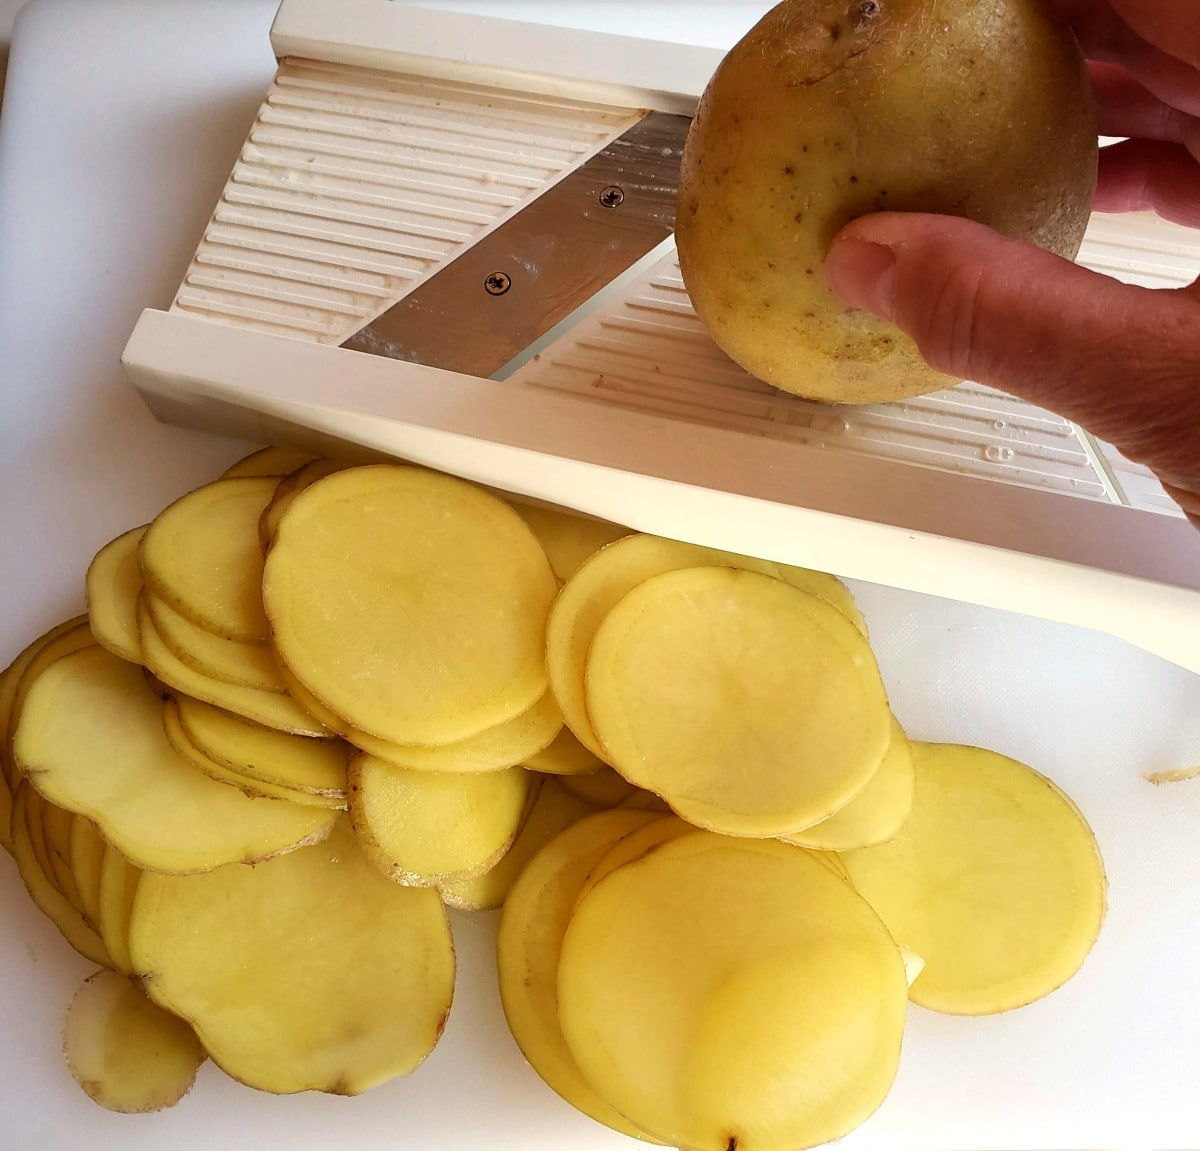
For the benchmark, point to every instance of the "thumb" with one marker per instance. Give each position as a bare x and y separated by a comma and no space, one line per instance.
1123,361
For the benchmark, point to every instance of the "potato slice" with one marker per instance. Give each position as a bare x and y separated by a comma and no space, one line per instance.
56,831
288,489
201,556
291,761
119,881
633,846
532,925
728,993
87,850
877,812
602,788
565,756
311,972
751,707
114,581
411,604
74,928
568,539
642,800
268,708
242,664
5,816
91,739
128,1054
552,810
995,880
423,828
272,461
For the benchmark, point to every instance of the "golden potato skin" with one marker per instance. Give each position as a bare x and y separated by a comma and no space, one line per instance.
830,109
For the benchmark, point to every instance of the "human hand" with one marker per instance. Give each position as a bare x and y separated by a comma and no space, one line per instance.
1122,361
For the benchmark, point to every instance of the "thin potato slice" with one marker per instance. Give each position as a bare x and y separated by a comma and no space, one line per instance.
568,539
995,881
289,488
411,604
5,816
268,708
272,461
243,664
633,846
114,581
642,800
201,556
128,1054
877,812
56,830
74,928
291,761
565,756
87,859
727,994
423,828
553,809
601,788
311,972
751,707
532,925
91,739
119,881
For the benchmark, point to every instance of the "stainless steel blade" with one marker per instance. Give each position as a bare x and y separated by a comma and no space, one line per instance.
502,293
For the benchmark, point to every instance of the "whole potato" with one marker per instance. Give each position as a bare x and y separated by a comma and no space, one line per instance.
831,109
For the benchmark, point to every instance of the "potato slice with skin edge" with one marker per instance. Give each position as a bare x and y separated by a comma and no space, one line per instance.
751,707
600,584
119,880
87,859
636,845
467,588
602,788
565,756
125,1052
568,540
995,880
421,828
732,993
248,748
289,488
201,556
114,581
643,800
270,461
91,738
280,1016
268,708
877,813
56,830
70,923
553,809
532,924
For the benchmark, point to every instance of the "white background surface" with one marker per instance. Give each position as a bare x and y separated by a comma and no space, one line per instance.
121,121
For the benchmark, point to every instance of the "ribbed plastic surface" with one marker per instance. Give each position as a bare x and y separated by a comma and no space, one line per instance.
355,185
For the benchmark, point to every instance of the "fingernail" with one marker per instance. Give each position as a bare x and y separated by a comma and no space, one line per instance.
863,275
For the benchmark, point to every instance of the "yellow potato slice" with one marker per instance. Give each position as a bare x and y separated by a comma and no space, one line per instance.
267,708
565,756
568,539
87,850
91,738
995,880
288,489
5,816
311,972
201,556
601,788
633,846
74,928
411,604
877,812
423,828
56,832
262,753
642,800
119,881
272,461
243,664
552,810
732,994
114,582
128,1054
751,707
601,582
530,936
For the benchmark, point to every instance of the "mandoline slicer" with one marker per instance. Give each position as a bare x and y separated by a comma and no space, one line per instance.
448,239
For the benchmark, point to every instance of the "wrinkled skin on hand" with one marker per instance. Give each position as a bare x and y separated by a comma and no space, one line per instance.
1122,361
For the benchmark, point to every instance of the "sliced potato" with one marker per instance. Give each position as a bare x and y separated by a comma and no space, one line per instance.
56,831
114,581
128,1054
530,936
288,489
410,603
272,461
311,972
119,881
995,881
751,707
91,739
565,756
642,800
728,993
423,828
567,539
647,838
553,809
601,788
5,816
87,859
291,761
201,556
877,812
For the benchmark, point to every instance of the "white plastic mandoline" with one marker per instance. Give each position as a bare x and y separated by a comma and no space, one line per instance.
395,137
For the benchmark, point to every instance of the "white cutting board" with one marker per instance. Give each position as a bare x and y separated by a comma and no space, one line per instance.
120,123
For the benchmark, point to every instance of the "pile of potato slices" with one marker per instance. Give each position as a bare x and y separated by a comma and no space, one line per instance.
312,706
